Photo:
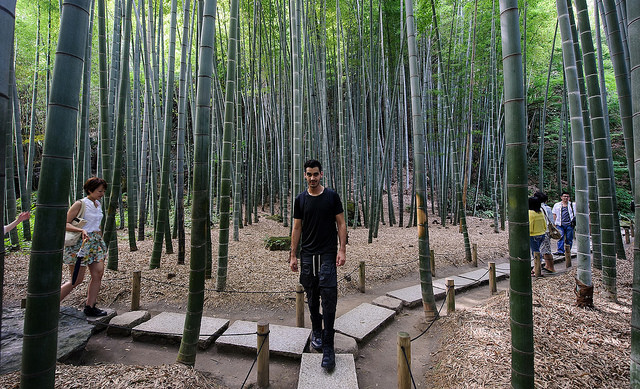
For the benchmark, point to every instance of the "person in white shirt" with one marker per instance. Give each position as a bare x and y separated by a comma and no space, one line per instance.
564,214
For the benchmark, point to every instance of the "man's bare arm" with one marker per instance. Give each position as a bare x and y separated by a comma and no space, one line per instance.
296,231
342,235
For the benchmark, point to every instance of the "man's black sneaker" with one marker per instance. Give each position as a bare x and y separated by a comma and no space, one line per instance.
94,311
316,340
328,359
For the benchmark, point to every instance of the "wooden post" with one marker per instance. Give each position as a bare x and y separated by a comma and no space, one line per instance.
404,360
432,259
627,235
567,256
263,354
299,306
135,290
493,288
632,229
537,267
474,254
451,296
361,277
23,303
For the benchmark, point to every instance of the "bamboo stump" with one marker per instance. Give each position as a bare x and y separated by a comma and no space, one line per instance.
263,354
567,256
492,278
361,277
404,360
451,296
474,254
135,290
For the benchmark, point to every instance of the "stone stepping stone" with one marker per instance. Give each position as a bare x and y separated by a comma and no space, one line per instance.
480,275
313,376
169,326
363,320
389,303
283,340
459,283
503,268
121,325
412,296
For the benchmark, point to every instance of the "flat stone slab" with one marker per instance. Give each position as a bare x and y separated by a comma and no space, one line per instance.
412,296
313,376
283,340
480,275
388,302
363,320
169,326
504,268
459,283
121,325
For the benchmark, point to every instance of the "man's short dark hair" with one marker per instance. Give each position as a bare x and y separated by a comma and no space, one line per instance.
94,183
313,163
534,204
565,192
542,196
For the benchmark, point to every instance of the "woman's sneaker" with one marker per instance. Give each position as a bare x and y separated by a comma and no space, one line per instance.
94,311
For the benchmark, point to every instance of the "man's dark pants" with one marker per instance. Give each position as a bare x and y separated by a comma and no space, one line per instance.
319,279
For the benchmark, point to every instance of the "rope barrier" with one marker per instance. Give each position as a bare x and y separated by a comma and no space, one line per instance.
478,280
255,359
223,291
395,264
406,360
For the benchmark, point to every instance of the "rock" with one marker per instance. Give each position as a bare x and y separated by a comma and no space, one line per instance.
73,334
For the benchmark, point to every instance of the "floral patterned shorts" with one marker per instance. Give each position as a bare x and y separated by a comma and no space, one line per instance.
95,248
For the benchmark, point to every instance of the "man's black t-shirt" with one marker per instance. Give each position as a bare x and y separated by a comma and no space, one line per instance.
319,232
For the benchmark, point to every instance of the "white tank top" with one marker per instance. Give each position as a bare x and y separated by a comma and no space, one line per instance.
92,214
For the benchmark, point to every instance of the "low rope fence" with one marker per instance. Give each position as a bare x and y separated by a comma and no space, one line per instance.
405,374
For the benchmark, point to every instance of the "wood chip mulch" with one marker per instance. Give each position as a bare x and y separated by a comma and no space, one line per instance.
574,347
118,376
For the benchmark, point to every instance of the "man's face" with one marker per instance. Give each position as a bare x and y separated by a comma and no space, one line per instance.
313,176
565,198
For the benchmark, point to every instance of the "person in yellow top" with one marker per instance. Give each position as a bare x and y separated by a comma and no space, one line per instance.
537,225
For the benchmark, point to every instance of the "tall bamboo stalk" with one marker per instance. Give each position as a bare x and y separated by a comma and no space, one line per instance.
7,25
520,299
43,288
225,187
428,300
633,17
200,205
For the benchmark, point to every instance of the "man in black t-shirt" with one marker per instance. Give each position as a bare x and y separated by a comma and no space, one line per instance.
318,222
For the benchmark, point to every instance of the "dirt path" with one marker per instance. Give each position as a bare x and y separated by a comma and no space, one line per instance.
375,362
